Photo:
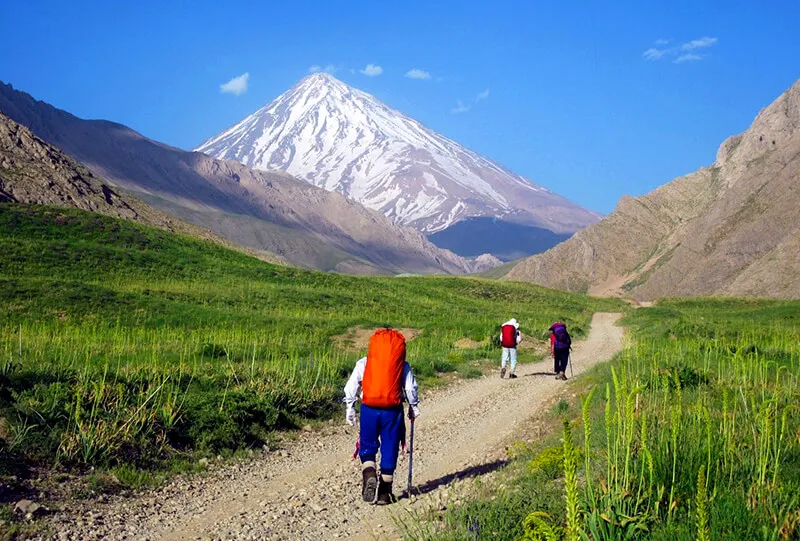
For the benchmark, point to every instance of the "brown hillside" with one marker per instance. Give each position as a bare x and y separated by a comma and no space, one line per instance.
270,211
34,172
728,229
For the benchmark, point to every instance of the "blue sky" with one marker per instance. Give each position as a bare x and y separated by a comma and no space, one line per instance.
591,99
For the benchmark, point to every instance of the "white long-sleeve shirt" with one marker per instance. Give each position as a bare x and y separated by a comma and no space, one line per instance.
352,390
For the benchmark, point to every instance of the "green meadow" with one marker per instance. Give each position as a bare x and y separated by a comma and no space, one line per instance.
125,347
691,433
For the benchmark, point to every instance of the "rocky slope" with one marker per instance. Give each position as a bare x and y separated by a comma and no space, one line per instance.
269,211
344,140
727,229
34,172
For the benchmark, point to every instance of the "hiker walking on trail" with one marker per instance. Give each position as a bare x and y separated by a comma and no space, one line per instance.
560,345
510,338
381,378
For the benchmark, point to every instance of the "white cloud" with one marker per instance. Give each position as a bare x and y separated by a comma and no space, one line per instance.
680,53
417,73
330,68
698,43
654,54
372,70
688,57
460,108
236,86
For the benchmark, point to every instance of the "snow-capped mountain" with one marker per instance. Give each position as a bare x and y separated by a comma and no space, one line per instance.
344,140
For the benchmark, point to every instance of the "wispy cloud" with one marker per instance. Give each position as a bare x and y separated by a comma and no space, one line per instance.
417,73
679,53
654,54
462,107
236,86
688,57
330,68
372,70
698,43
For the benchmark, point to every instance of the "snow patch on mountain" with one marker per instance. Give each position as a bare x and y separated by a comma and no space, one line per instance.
344,140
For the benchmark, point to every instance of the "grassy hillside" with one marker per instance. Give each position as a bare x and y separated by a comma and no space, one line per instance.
691,433
122,344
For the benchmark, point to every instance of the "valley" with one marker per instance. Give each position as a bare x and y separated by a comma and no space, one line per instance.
184,307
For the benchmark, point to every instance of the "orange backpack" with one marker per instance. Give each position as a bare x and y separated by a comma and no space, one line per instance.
382,383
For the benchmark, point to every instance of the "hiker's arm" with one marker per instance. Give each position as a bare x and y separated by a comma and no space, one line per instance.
519,337
410,385
352,389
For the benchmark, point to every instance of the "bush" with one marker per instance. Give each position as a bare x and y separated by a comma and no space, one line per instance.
213,351
234,420
689,377
550,462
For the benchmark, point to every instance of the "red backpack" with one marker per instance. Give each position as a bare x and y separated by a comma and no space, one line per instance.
382,383
508,337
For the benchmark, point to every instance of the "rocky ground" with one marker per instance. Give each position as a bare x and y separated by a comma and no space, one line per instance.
310,489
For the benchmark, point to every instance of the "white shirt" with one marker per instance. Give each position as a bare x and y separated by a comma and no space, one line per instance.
352,391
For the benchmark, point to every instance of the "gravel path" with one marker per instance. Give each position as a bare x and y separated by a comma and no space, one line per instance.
311,488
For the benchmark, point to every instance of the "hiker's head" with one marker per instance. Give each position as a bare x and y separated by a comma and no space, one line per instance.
512,321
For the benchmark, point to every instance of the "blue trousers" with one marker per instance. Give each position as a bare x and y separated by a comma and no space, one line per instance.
382,429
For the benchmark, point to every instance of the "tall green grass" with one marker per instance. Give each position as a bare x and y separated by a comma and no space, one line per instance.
125,345
695,434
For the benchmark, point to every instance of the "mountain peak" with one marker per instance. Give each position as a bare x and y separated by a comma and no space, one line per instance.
344,140
320,78
774,126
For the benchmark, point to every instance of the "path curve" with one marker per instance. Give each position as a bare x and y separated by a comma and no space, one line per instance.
311,489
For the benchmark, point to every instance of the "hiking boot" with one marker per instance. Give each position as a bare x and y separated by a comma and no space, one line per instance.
512,375
562,376
502,372
558,375
369,485
385,496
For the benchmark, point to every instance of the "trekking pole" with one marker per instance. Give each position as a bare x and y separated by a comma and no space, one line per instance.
569,361
410,457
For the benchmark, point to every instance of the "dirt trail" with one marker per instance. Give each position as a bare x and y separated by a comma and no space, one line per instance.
311,489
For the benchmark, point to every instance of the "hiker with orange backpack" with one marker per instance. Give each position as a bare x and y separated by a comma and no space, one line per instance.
560,345
510,337
381,378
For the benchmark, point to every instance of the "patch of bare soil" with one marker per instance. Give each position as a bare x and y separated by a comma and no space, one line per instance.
357,338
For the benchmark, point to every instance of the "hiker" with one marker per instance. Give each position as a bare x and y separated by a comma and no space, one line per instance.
381,379
560,343
510,338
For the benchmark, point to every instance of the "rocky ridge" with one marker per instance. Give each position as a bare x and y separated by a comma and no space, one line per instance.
34,172
727,229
